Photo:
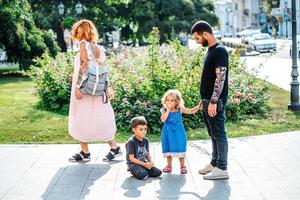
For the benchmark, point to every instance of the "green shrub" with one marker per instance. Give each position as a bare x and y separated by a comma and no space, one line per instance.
247,94
52,77
141,76
145,74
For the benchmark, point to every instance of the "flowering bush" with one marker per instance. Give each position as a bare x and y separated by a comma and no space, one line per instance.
52,77
140,77
247,94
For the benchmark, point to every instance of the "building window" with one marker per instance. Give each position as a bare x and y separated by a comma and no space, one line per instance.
246,12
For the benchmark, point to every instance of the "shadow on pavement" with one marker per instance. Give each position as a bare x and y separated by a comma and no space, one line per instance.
75,181
132,186
218,192
172,187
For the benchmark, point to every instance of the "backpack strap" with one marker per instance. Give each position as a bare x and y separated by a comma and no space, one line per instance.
105,98
92,52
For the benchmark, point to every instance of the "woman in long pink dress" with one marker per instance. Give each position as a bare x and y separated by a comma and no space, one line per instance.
89,118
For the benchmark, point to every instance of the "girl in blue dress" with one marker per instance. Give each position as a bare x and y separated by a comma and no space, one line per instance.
173,133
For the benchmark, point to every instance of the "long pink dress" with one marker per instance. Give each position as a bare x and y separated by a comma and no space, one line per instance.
89,118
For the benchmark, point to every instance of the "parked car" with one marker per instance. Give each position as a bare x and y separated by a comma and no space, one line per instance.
239,34
262,42
217,35
298,47
227,35
243,32
247,35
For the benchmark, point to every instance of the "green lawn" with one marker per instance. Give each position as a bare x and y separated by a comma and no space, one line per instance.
21,122
9,69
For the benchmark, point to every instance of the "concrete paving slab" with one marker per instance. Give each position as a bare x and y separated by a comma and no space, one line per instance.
260,168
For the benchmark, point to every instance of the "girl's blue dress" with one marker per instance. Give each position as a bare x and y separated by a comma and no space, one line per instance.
173,136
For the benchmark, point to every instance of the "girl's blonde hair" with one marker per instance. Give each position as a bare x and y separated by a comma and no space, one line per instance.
176,95
90,33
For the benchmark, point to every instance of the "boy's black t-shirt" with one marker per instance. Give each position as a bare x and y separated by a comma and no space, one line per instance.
140,149
216,56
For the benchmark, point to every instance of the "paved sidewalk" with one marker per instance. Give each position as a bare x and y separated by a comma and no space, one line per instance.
261,167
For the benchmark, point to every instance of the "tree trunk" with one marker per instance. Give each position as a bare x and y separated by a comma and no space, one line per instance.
60,37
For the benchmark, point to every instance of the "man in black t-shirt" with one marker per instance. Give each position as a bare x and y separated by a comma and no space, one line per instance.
138,158
214,92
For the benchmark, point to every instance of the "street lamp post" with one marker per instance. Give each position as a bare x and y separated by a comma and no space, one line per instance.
61,8
66,32
294,104
78,8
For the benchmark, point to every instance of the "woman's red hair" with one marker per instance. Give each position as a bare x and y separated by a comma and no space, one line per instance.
90,33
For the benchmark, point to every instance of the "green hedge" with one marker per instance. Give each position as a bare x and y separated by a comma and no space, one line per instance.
53,78
140,77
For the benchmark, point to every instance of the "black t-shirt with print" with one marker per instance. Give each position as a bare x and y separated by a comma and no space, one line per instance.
140,149
216,56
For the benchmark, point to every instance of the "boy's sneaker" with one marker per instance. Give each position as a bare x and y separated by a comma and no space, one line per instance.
208,168
80,157
113,154
216,174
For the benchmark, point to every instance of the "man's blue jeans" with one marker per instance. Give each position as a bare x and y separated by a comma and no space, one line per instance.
216,130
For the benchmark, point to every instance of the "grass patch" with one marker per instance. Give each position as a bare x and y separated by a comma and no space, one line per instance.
22,122
11,70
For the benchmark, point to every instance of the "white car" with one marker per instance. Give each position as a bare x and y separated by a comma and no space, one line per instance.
298,47
217,35
262,42
248,33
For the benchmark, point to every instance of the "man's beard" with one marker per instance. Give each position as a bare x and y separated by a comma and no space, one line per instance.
204,42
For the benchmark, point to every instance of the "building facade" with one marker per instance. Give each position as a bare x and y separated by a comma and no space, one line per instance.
285,25
237,15
223,9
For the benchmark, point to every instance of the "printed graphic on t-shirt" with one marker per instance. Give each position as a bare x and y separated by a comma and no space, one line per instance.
142,153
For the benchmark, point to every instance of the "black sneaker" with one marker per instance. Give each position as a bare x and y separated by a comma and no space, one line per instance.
113,154
80,157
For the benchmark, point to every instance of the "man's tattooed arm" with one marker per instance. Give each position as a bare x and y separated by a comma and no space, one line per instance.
219,83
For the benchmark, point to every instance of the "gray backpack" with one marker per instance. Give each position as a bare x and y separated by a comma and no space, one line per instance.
94,81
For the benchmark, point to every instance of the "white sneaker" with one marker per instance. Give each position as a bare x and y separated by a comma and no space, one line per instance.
208,168
216,174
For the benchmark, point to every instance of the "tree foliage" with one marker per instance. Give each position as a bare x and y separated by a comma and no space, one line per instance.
269,4
141,75
170,16
20,38
135,18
